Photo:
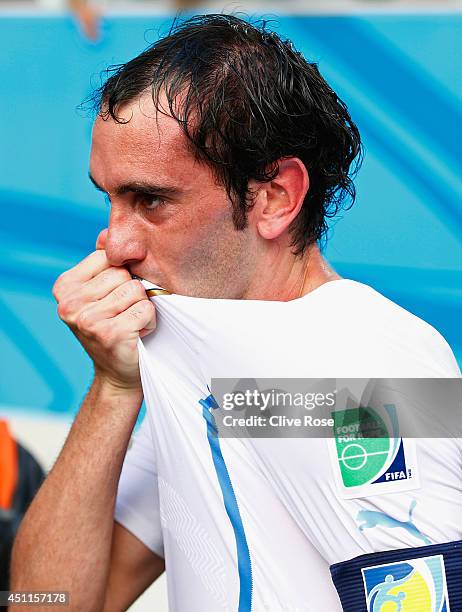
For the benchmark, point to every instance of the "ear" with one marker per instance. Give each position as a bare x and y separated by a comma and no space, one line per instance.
278,202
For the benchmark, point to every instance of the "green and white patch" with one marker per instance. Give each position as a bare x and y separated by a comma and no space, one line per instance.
368,455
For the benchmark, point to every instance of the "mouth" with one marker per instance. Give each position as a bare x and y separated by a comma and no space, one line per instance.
151,289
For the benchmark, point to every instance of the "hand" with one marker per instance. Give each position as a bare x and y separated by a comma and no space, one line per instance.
108,311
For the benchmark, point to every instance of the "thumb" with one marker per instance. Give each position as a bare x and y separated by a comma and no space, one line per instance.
101,240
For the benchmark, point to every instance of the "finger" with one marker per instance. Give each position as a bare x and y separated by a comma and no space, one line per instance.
84,271
140,316
150,327
119,300
102,238
100,286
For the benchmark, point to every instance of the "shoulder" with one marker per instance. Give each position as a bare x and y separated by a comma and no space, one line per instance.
372,322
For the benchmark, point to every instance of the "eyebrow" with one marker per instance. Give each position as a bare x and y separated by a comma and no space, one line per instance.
138,187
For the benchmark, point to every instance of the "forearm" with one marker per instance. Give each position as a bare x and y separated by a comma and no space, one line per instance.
64,542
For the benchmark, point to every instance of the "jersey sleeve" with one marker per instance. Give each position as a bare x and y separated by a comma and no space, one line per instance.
137,503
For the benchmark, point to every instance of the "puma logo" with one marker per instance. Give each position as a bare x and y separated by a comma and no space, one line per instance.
372,518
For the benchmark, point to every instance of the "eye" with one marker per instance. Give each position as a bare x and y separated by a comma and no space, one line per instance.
151,202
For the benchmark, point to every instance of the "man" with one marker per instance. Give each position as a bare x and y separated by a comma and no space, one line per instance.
223,153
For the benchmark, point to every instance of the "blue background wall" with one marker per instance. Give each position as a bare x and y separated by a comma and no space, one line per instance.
400,76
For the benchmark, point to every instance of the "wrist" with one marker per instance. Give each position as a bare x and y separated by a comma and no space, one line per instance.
116,389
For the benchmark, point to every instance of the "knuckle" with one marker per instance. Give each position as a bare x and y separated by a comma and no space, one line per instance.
58,286
105,334
133,285
65,310
120,293
124,274
105,277
138,288
125,291
135,313
55,292
141,310
121,275
113,275
62,310
147,306
71,307
84,321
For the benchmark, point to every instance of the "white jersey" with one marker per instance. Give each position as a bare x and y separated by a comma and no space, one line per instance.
255,523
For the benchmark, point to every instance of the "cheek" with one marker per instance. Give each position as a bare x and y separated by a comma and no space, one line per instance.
198,239
208,218
181,246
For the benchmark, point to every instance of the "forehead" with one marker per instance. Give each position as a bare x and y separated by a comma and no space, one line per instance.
146,142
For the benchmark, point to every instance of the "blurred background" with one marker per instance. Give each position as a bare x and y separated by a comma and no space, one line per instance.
397,65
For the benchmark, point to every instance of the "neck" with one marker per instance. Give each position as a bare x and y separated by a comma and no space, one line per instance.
287,277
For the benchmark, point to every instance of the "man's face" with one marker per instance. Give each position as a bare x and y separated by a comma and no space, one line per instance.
170,221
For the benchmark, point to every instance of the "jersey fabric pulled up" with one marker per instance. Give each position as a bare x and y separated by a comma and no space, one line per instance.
255,523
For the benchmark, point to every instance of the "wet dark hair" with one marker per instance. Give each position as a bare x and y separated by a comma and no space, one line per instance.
245,99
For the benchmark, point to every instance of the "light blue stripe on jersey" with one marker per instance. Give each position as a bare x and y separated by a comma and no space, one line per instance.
232,509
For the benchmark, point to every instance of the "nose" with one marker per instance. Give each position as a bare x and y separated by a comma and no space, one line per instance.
124,241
